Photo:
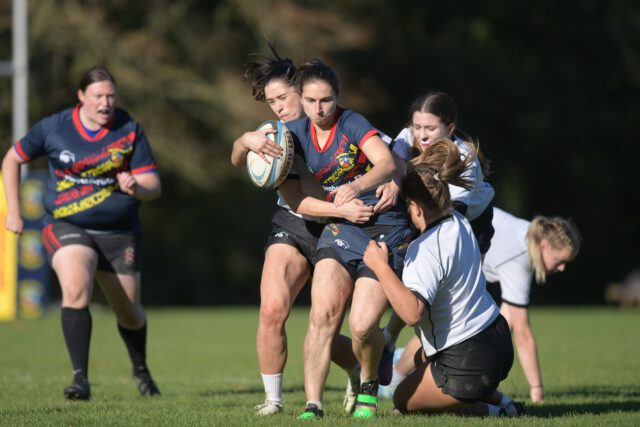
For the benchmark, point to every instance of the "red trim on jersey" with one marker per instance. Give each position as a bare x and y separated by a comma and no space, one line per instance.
367,136
18,147
80,128
49,239
144,169
314,136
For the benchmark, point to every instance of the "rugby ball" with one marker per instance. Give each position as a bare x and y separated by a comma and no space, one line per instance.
271,175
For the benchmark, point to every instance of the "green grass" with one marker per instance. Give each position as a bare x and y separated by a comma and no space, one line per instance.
204,362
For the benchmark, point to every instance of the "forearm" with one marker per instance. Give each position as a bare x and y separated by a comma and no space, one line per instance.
381,172
528,355
11,180
239,152
405,304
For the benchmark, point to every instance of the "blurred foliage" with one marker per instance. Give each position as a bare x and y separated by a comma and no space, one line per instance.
549,88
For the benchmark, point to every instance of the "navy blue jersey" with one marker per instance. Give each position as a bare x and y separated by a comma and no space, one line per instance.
342,161
82,188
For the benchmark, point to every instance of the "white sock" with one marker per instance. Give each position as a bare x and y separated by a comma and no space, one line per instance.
397,377
315,402
389,339
273,387
494,410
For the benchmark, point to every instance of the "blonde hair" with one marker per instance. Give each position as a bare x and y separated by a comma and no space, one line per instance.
559,232
429,175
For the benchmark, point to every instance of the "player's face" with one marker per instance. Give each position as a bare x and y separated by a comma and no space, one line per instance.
428,127
98,104
319,103
283,100
555,260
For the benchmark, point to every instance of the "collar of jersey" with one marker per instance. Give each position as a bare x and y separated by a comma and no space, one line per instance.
78,125
314,137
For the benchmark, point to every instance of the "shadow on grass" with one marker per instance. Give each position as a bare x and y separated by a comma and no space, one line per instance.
598,400
256,390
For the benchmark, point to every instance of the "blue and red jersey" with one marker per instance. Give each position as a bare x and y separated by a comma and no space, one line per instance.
82,187
342,161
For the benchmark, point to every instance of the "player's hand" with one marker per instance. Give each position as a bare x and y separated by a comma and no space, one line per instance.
356,211
258,141
344,194
376,254
536,394
127,183
387,194
14,223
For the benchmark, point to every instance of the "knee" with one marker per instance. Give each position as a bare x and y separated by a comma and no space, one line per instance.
325,318
273,313
75,296
360,331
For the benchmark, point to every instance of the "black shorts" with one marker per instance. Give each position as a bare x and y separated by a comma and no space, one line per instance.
346,244
483,228
472,370
295,231
118,252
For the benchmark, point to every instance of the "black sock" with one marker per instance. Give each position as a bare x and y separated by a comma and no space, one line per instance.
136,342
76,328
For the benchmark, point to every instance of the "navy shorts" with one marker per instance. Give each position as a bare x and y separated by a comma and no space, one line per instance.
295,231
472,370
483,228
346,244
118,252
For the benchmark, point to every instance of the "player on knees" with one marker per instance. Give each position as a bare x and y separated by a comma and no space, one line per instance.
101,168
432,116
466,342
290,246
519,251
349,159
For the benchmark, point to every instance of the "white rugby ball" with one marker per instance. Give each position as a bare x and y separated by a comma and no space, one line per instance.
271,175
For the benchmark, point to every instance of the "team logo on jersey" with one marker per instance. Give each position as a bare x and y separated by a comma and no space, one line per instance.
341,243
67,157
281,235
334,229
117,156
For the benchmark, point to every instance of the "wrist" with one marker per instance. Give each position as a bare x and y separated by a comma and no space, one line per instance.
536,386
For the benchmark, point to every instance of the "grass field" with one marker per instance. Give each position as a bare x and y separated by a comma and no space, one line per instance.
204,362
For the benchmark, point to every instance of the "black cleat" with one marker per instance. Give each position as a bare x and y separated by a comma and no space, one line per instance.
146,386
79,388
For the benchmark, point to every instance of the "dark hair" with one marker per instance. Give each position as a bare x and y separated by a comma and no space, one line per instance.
439,104
264,69
429,175
442,105
97,73
318,70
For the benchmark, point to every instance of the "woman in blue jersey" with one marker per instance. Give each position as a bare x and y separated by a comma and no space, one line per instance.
292,241
101,168
466,342
348,158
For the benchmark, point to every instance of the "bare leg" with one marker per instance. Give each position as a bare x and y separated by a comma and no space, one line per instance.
419,393
330,292
284,273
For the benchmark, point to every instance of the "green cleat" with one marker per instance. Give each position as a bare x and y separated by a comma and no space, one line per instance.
367,401
311,412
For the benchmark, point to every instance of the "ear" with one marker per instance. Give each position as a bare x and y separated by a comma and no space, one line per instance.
451,128
81,96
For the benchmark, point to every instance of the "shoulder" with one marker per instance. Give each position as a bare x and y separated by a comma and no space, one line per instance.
298,126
